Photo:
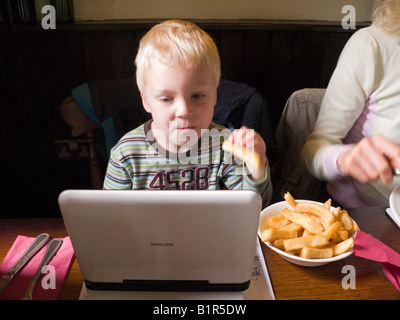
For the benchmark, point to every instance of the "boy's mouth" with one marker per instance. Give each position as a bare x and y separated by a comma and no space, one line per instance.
186,128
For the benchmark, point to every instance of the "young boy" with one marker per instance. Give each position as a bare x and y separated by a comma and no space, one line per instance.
178,72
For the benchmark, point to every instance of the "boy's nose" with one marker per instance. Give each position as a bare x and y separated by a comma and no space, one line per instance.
183,110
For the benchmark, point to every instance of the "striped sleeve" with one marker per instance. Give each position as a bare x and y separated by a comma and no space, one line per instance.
117,176
236,177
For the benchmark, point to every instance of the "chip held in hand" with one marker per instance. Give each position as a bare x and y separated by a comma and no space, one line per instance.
245,154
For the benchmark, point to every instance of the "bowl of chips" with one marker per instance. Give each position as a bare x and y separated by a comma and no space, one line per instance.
307,233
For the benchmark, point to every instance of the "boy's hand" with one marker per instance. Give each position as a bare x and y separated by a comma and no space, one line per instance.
253,142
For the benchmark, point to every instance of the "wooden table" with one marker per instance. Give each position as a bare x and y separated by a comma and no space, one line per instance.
289,281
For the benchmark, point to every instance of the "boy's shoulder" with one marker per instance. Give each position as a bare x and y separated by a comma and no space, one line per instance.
217,126
135,135
218,129
139,131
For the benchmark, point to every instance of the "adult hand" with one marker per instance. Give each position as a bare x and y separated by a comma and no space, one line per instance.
371,159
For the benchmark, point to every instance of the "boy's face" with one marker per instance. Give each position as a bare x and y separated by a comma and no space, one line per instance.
181,101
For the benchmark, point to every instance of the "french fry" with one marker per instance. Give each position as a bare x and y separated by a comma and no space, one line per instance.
245,154
336,212
343,246
292,227
315,218
276,222
307,241
279,244
307,233
343,234
289,199
303,220
327,204
355,226
327,218
332,230
272,234
336,239
316,253
346,221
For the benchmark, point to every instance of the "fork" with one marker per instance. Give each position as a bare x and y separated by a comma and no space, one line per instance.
51,250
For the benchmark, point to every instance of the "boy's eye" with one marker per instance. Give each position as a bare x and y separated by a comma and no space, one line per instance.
198,96
166,99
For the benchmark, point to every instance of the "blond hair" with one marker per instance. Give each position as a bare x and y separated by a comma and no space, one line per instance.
176,43
387,15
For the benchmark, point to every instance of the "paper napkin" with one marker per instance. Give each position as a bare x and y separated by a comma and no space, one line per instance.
49,284
368,247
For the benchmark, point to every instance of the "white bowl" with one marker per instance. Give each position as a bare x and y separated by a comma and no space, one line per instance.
274,210
394,201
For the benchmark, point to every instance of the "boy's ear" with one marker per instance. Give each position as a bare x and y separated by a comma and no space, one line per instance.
144,102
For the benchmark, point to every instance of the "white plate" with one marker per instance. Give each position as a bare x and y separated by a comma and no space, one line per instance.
394,201
274,210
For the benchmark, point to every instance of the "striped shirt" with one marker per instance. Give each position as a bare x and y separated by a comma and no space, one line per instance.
138,162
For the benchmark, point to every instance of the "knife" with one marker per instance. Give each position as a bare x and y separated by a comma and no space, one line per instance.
36,245
51,250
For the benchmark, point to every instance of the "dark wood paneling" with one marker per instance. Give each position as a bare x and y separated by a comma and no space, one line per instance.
70,61
257,62
123,51
98,54
231,51
335,43
309,55
39,68
281,73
